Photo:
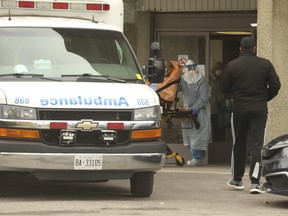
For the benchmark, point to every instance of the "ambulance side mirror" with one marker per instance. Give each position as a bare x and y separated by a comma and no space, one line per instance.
156,65
156,70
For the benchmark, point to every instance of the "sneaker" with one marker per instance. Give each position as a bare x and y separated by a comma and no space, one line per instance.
257,189
238,185
194,162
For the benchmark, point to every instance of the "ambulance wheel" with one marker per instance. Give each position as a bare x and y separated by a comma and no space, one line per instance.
179,160
141,184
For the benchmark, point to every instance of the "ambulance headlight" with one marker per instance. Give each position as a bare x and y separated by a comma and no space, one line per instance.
147,114
16,112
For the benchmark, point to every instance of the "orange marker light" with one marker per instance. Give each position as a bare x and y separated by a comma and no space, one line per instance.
146,134
16,133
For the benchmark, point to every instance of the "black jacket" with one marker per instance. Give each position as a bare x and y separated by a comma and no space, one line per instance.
252,81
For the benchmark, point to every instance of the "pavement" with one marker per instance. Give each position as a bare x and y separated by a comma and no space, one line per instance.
185,191
219,168
203,190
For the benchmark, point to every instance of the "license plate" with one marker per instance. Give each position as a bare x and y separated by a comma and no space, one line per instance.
88,162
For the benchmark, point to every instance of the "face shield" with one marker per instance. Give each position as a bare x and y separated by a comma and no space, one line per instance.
190,65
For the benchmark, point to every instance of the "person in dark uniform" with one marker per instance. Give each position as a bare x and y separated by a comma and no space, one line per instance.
252,81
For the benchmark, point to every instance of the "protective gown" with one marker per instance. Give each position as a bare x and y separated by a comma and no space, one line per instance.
196,92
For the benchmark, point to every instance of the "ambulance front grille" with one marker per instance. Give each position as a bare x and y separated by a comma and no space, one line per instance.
84,138
77,115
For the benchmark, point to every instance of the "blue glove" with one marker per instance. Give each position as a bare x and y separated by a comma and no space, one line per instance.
153,86
194,111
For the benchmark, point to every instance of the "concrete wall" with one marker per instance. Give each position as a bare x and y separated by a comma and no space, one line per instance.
272,35
138,28
144,36
130,20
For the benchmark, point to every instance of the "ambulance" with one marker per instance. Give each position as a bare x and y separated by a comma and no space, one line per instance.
73,101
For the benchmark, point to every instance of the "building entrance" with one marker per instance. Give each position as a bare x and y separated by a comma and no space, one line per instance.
206,39
206,49
181,47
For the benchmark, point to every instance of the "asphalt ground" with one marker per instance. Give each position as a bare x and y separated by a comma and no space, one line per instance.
204,191
184,191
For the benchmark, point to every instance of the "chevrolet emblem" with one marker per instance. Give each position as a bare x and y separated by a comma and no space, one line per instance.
87,125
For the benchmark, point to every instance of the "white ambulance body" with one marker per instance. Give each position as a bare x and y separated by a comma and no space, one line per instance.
73,102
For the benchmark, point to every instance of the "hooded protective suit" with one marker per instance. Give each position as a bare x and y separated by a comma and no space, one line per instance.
196,92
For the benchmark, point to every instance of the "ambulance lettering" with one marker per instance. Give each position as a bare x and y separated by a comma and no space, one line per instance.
21,100
99,101
142,101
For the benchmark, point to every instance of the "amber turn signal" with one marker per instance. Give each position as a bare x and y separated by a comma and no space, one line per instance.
16,133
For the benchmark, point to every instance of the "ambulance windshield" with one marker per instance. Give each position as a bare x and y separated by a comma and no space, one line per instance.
55,52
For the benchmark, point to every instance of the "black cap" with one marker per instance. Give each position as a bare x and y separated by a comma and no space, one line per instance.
247,42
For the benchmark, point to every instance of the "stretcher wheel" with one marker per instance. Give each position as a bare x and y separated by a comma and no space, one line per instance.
179,160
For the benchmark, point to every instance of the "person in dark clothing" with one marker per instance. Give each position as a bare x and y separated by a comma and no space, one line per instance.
252,82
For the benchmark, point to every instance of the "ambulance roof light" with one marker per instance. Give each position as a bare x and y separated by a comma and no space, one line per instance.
108,12
93,6
26,4
59,5
106,7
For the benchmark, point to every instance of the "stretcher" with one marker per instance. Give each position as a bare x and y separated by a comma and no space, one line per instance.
168,95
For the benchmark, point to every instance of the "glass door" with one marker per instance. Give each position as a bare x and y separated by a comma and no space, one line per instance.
192,45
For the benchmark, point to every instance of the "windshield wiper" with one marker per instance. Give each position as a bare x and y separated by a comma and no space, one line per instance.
88,75
20,75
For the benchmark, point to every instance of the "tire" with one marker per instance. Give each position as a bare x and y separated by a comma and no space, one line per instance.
141,184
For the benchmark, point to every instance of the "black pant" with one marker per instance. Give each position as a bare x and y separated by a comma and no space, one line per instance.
253,122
